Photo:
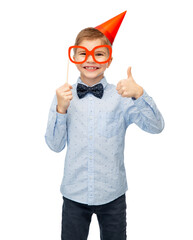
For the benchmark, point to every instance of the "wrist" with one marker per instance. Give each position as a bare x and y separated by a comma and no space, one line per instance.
139,92
61,110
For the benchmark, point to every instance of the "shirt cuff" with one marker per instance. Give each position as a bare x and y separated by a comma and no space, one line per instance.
61,118
141,101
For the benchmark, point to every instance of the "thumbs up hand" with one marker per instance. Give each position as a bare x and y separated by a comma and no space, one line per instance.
128,87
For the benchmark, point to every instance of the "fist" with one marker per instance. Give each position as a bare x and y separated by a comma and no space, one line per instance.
128,87
64,96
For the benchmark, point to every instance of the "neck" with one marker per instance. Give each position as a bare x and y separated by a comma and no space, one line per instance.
91,82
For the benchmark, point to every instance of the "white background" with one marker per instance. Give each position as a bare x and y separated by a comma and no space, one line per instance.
156,39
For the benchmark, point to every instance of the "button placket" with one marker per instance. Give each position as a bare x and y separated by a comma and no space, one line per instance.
91,150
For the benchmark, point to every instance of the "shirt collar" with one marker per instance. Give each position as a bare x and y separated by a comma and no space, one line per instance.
103,81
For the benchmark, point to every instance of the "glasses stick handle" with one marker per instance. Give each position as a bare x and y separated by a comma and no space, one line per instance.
67,71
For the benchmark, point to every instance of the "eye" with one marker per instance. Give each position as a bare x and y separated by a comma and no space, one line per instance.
99,54
82,53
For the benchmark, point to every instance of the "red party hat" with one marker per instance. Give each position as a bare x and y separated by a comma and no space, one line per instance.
111,27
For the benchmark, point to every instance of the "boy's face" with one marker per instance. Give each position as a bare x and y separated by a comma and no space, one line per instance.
90,71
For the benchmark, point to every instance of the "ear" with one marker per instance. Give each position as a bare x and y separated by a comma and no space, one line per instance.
109,62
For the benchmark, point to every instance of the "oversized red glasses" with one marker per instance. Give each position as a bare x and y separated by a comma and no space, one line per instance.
100,54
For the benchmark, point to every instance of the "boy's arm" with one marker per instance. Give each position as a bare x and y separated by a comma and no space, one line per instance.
138,107
144,113
56,132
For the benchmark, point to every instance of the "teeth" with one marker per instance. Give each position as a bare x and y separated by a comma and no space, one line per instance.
90,67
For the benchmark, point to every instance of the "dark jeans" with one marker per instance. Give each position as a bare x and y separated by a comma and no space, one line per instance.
76,218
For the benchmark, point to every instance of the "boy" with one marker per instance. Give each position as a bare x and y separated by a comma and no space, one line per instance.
92,116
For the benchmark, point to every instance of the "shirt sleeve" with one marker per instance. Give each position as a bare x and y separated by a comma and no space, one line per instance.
56,132
144,113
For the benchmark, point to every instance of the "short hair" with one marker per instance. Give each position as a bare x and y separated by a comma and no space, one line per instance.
91,33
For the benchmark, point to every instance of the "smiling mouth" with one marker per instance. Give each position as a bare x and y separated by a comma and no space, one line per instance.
90,68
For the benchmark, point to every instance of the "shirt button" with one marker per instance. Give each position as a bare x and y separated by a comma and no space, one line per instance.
90,137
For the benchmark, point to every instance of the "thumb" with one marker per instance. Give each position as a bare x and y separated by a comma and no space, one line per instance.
129,72
67,85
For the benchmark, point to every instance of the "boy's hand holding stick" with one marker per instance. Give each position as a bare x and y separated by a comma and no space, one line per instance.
64,95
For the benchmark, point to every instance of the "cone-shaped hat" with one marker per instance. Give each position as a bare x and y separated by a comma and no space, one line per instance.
111,27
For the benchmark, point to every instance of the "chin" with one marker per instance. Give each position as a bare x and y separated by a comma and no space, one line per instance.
92,78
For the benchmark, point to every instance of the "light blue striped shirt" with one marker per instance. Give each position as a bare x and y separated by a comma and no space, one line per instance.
94,131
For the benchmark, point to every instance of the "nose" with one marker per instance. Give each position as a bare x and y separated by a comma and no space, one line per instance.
90,58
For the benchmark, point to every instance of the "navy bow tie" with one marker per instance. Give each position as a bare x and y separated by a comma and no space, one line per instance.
96,90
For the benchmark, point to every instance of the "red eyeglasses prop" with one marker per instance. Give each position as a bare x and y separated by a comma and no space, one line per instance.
100,54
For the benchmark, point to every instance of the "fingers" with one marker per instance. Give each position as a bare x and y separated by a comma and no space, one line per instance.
119,86
121,90
66,87
69,97
129,72
68,93
64,94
